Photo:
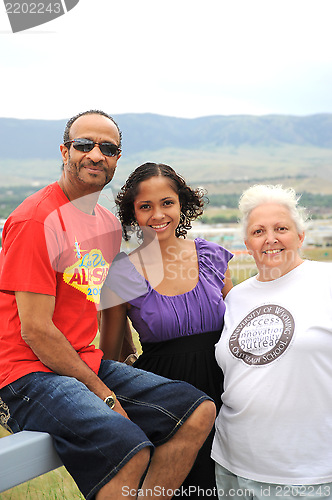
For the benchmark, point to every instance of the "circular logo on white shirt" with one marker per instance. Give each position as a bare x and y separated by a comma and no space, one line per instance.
263,335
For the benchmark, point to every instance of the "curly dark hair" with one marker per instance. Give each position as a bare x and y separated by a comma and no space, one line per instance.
191,200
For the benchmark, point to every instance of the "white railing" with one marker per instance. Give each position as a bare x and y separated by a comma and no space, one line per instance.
24,456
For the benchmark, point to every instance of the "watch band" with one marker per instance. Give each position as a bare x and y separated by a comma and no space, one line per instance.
130,360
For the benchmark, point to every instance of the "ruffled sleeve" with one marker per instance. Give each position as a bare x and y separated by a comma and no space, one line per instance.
124,279
213,260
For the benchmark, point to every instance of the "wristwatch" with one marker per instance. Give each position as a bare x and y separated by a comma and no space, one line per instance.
110,401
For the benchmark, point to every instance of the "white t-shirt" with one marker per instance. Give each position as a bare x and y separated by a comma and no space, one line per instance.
275,424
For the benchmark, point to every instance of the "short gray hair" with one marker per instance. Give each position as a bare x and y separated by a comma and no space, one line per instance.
268,193
66,134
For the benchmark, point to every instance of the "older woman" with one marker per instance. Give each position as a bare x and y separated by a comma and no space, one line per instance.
274,431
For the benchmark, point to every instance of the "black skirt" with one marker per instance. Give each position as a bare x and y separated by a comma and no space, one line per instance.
191,359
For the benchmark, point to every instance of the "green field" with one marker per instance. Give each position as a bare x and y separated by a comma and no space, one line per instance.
217,167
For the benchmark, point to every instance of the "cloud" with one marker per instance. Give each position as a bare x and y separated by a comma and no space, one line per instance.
183,58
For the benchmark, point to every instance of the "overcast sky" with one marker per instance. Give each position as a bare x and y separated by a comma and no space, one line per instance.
184,58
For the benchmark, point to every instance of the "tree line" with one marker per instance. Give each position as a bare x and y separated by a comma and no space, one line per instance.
11,197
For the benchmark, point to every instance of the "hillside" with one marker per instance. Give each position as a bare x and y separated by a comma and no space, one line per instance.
207,150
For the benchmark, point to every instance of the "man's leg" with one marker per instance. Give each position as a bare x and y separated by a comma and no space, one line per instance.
170,464
173,460
126,482
176,418
95,443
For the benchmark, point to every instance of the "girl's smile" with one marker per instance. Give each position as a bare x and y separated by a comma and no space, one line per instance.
157,206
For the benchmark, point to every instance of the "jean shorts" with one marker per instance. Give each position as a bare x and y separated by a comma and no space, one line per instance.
93,441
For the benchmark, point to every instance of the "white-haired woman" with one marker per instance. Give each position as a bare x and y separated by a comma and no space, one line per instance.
274,431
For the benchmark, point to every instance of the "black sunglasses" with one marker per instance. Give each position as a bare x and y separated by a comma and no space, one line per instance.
86,145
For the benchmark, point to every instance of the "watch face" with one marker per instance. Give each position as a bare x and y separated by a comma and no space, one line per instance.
110,401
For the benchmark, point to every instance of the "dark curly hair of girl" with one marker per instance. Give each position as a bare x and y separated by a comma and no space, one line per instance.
191,200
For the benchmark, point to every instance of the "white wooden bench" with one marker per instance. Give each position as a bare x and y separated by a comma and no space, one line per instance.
24,456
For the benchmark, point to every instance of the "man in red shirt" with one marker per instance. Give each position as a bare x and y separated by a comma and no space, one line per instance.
105,417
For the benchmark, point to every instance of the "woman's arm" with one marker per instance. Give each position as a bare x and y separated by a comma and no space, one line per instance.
227,282
128,352
116,340
113,326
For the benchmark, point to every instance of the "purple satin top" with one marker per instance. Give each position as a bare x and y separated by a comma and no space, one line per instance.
159,317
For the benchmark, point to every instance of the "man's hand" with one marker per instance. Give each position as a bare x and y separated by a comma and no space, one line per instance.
118,408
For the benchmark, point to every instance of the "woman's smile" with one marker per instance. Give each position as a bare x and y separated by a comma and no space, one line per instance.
273,240
157,206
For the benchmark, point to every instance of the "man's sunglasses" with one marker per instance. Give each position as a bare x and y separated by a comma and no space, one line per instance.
86,145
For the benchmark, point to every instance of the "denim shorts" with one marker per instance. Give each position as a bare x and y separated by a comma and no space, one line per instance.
93,441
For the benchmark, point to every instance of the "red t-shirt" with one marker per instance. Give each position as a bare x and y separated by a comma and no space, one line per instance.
51,247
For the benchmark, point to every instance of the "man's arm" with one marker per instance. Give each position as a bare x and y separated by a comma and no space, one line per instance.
51,346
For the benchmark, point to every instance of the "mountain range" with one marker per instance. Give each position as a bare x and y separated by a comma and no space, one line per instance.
212,149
